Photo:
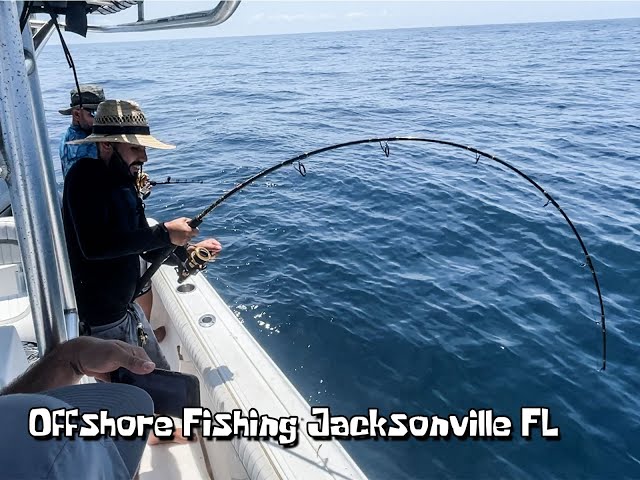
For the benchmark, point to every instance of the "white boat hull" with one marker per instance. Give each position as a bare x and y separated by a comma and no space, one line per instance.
236,373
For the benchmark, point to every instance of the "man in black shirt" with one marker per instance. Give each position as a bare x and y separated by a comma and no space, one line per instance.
107,231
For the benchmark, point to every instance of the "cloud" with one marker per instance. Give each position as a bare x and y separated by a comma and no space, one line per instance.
381,14
299,17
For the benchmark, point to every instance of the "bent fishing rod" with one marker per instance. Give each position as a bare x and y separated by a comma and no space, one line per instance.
197,261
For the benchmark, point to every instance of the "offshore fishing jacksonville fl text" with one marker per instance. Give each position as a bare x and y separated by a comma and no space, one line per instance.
475,424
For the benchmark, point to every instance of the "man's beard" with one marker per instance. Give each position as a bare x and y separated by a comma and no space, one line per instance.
120,167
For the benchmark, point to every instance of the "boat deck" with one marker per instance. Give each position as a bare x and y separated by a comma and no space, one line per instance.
174,461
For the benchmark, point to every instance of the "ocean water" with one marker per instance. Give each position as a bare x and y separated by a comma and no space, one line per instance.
423,282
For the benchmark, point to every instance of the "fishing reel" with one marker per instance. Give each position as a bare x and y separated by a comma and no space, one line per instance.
143,185
196,261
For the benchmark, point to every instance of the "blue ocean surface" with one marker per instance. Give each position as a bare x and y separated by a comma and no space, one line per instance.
422,282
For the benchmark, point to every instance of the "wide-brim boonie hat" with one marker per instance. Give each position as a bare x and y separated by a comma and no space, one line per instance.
122,121
89,98
104,457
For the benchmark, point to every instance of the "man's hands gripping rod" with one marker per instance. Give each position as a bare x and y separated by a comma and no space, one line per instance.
181,231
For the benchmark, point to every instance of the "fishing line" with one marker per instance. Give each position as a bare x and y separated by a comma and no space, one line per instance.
67,54
384,145
24,16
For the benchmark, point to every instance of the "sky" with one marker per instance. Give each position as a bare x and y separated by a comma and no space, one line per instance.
257,17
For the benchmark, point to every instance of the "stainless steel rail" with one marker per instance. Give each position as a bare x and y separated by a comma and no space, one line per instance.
220,13
30,176
51,193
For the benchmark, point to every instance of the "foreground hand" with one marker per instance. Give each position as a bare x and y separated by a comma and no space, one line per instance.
67,362
97,358
180,232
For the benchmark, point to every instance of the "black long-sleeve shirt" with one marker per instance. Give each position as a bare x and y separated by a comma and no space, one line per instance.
106,232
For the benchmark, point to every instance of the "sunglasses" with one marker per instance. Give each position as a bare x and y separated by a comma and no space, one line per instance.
90,112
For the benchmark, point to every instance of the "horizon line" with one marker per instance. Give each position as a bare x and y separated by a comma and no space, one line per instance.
78,41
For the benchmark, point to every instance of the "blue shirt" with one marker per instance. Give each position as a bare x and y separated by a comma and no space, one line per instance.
69,154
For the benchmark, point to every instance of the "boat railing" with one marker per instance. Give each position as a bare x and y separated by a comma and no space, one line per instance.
220,13
32,188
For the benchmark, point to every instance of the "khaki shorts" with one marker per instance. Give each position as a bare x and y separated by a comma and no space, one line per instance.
126,329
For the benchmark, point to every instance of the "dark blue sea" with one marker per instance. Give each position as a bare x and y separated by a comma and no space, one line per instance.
423,282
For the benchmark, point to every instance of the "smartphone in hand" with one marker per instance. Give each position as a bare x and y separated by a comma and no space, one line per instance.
170,391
